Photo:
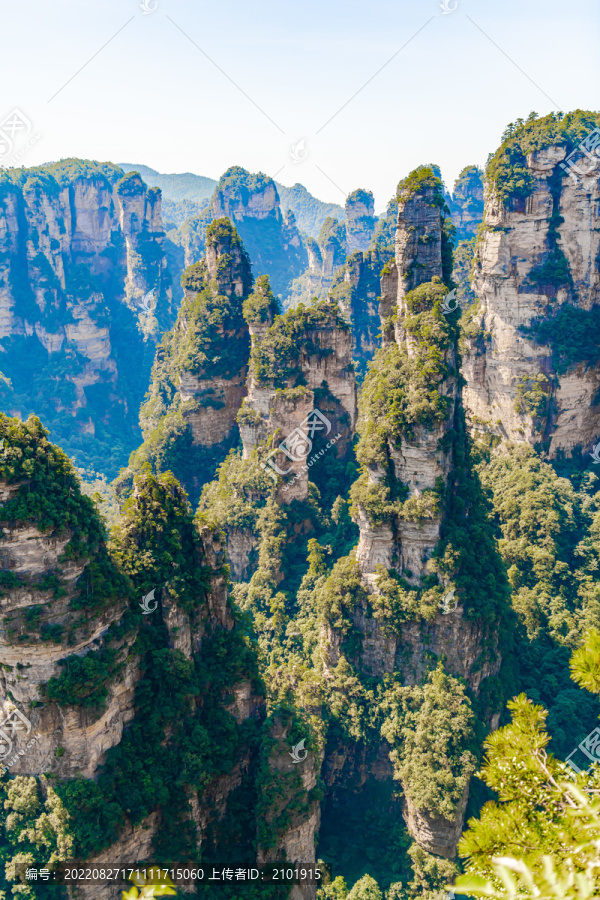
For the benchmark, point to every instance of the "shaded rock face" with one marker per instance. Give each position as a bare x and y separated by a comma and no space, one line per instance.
251,202
435,833
420,460
297,843
360,220
191,236
28,661
449,635
417,255
357,290
272,240
408,545
71,741
418,240
326,254
242,552
212,422
536,268
466,203
296,414
186,632
135,843
198,381
81,247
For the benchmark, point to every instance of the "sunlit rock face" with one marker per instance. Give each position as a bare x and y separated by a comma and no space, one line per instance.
535,275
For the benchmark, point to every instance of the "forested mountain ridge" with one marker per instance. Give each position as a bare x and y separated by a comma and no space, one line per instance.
380,552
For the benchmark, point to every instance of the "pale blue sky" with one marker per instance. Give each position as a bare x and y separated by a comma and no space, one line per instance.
150,96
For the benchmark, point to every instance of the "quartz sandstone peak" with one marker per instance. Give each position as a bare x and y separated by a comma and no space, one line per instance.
199,375
305,351
83,245
536,279
360,220
273,242
401,499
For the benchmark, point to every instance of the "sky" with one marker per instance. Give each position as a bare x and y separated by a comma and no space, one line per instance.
336,96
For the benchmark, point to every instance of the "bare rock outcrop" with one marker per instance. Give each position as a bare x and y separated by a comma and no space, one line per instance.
83,246
360,220
536,271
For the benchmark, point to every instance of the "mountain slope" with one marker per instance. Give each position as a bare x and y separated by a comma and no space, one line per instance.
177,186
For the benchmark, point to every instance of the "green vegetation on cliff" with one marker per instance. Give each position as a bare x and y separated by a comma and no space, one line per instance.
332,241
274,247
46,493
261,306
182,736
79,352
423,179
466,205
439,772
402,392
277,359
507,168
538,837
548,540
209,341
310,213
357,287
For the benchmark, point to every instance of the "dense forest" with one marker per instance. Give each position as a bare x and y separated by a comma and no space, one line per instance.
300,554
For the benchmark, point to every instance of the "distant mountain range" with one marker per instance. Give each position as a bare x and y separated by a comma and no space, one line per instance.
186,189
178,186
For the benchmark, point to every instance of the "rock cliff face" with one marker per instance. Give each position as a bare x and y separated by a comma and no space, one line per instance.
466,204
418,236
272,240
51,609
356,287
301,387
191,236
335,242
419,461
83,671
298,781
536,279
326,253
82,245
199,377
360,220
402,499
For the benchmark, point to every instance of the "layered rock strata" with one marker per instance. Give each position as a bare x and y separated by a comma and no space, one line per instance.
83,259
291,416
401,499
360,220
199,376
417,461
536,277
52,609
